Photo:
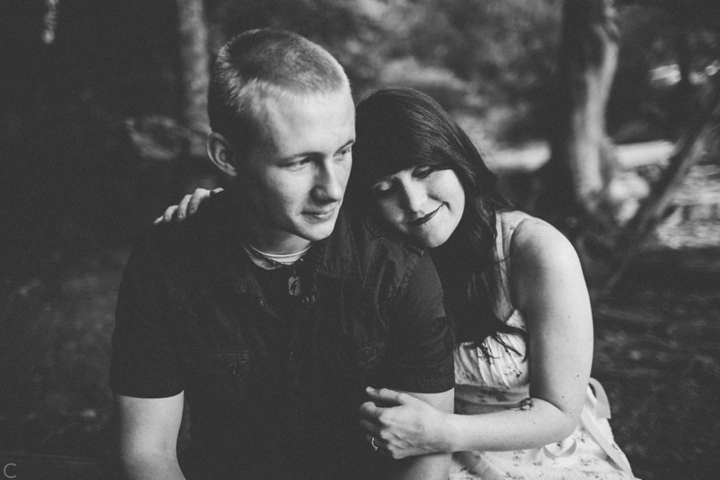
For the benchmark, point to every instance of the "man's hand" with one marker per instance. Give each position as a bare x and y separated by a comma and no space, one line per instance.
402,425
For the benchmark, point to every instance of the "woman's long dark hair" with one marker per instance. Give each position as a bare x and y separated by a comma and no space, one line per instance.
399,128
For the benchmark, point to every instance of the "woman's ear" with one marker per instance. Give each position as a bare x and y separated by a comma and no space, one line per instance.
220,153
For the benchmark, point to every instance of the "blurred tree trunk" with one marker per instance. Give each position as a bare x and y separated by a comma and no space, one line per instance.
572,191
50,21
571,186
685,103
684,86
194,69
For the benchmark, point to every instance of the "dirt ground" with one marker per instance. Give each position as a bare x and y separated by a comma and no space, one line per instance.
657,341
657,352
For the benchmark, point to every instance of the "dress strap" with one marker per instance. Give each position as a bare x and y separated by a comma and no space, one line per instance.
506,224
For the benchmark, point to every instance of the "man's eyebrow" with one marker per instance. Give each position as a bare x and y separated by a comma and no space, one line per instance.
312,153
347,144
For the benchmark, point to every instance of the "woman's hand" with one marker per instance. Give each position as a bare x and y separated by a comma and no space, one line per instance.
401,425
187,206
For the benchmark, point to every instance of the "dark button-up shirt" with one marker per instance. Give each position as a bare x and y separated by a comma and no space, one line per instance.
271,396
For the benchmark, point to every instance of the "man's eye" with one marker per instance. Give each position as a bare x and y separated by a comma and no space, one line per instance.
297,164
343,154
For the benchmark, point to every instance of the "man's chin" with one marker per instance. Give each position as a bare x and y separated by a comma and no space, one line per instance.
315,233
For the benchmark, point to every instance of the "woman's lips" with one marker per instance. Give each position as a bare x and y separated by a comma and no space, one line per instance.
425,219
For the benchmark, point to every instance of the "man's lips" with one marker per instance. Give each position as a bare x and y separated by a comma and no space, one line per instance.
320,213
425,219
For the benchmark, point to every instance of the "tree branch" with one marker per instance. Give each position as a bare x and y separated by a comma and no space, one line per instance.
656,206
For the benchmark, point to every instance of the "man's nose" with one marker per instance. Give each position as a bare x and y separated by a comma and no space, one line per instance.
330,183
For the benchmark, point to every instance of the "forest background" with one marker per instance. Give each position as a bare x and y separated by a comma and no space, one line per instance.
101,127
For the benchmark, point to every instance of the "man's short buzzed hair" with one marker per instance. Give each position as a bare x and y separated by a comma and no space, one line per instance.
258,63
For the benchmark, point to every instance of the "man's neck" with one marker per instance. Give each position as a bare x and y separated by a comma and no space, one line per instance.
271,244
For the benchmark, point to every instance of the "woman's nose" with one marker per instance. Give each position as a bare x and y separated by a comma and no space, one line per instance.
415,196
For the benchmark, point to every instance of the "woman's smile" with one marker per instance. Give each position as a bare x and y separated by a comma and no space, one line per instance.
404,197
424,219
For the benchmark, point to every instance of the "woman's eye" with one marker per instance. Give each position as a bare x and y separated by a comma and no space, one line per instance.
382,188
423,172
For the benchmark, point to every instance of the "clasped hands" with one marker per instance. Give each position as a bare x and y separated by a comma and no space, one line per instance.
402,425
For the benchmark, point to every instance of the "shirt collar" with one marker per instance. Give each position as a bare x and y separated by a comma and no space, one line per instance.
338,253
340,257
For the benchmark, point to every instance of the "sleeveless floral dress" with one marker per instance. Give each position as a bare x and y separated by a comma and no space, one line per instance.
485,385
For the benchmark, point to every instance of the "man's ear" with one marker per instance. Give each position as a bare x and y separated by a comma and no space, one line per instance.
220,153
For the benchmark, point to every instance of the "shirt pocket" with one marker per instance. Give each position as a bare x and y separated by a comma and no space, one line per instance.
229,373
363,361
371,354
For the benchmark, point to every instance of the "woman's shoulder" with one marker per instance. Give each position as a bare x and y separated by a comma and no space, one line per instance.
537,244
517,219
532,232
543,264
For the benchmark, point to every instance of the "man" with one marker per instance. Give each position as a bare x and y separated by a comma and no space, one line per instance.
269,312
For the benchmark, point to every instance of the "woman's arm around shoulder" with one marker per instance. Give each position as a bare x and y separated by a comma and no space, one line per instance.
187,206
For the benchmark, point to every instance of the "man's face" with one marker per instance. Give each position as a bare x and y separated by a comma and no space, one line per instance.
296,181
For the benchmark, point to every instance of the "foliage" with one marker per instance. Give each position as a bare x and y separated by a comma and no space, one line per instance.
645,101
503,50
699,12
347,28
65,105
510,43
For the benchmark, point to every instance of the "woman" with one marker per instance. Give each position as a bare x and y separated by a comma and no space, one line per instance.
515,290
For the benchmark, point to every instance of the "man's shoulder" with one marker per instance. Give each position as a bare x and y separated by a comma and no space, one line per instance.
368,244
201,236
372,230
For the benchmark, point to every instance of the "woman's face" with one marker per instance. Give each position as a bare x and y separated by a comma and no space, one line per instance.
422,202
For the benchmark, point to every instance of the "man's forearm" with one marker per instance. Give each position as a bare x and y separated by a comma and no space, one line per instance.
152,467
434,466
425,467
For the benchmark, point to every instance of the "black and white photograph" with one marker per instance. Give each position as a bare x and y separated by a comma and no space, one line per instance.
359,239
